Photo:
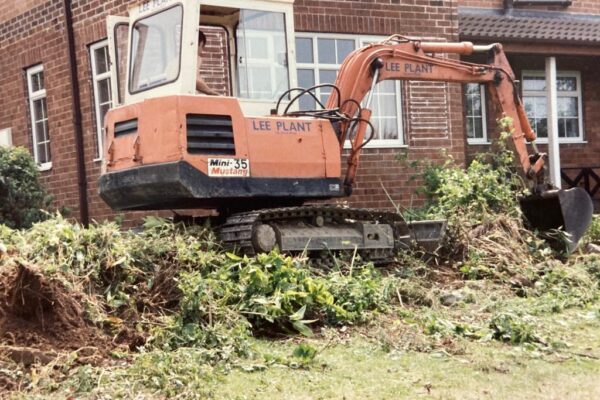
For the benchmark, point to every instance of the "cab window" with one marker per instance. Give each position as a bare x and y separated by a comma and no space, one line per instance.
155,50
262,63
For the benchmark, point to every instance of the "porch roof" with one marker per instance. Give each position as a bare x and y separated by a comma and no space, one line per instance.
529,26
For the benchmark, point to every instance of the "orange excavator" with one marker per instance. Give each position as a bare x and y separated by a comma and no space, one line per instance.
176,150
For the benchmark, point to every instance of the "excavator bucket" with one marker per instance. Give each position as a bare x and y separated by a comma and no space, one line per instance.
566,210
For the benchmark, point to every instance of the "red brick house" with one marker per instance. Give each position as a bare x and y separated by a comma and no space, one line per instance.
55,85
531,32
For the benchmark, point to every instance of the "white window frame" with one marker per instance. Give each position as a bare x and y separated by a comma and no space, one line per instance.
359,41
96,78
577,93
33,97
485,139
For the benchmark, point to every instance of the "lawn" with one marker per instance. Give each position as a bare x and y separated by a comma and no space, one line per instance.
359,367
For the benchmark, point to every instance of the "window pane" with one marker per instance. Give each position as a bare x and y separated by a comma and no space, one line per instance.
40,131
470,129
386,106
327,76
567,107
540,107
258,48
101,58
562,128
388,129
306,79
542,127
39,109
571,127
478,128
529,104
344,47
156,49
261,81
568,128
42,153
104,91
304,50
37,81
476,105
326,49
472,88
566,84
386,87
474,111
534,83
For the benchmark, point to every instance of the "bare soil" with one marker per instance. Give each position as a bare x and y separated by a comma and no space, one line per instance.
40,317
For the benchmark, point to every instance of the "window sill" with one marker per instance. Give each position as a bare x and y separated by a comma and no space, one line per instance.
45,166
478,142
545,141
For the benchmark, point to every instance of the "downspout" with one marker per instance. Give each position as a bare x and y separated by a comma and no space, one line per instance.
84,214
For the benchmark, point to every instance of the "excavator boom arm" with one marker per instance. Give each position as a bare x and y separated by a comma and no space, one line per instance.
398,58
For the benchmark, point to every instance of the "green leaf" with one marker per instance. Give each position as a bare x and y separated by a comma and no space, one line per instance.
298,315
303,329
233,257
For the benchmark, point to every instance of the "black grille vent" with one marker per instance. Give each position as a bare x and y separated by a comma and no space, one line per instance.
126,127
210,134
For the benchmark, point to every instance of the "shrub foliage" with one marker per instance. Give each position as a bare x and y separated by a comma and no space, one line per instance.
22,197
490,184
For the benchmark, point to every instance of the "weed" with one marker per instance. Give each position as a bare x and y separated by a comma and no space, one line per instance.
508,327
304,353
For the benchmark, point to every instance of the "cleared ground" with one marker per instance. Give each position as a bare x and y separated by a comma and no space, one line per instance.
360,369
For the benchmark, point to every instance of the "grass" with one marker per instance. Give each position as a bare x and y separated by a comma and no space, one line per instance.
359,368
375,361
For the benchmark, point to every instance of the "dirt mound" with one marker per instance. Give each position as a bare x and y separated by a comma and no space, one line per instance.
41,313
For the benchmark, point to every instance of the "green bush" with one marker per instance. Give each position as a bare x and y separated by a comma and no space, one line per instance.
489,184
22,197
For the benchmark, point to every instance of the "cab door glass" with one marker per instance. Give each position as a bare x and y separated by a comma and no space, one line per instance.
262,55
156,50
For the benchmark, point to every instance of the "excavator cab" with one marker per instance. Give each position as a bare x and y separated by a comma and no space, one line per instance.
249,55
168,147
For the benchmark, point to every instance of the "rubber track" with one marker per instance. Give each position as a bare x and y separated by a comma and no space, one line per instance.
237,230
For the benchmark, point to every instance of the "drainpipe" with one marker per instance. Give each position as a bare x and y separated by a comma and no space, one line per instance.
84,214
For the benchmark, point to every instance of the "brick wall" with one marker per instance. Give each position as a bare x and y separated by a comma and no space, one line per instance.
32,32
215,60
12,9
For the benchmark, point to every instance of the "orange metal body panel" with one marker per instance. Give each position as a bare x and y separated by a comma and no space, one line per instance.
276,147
